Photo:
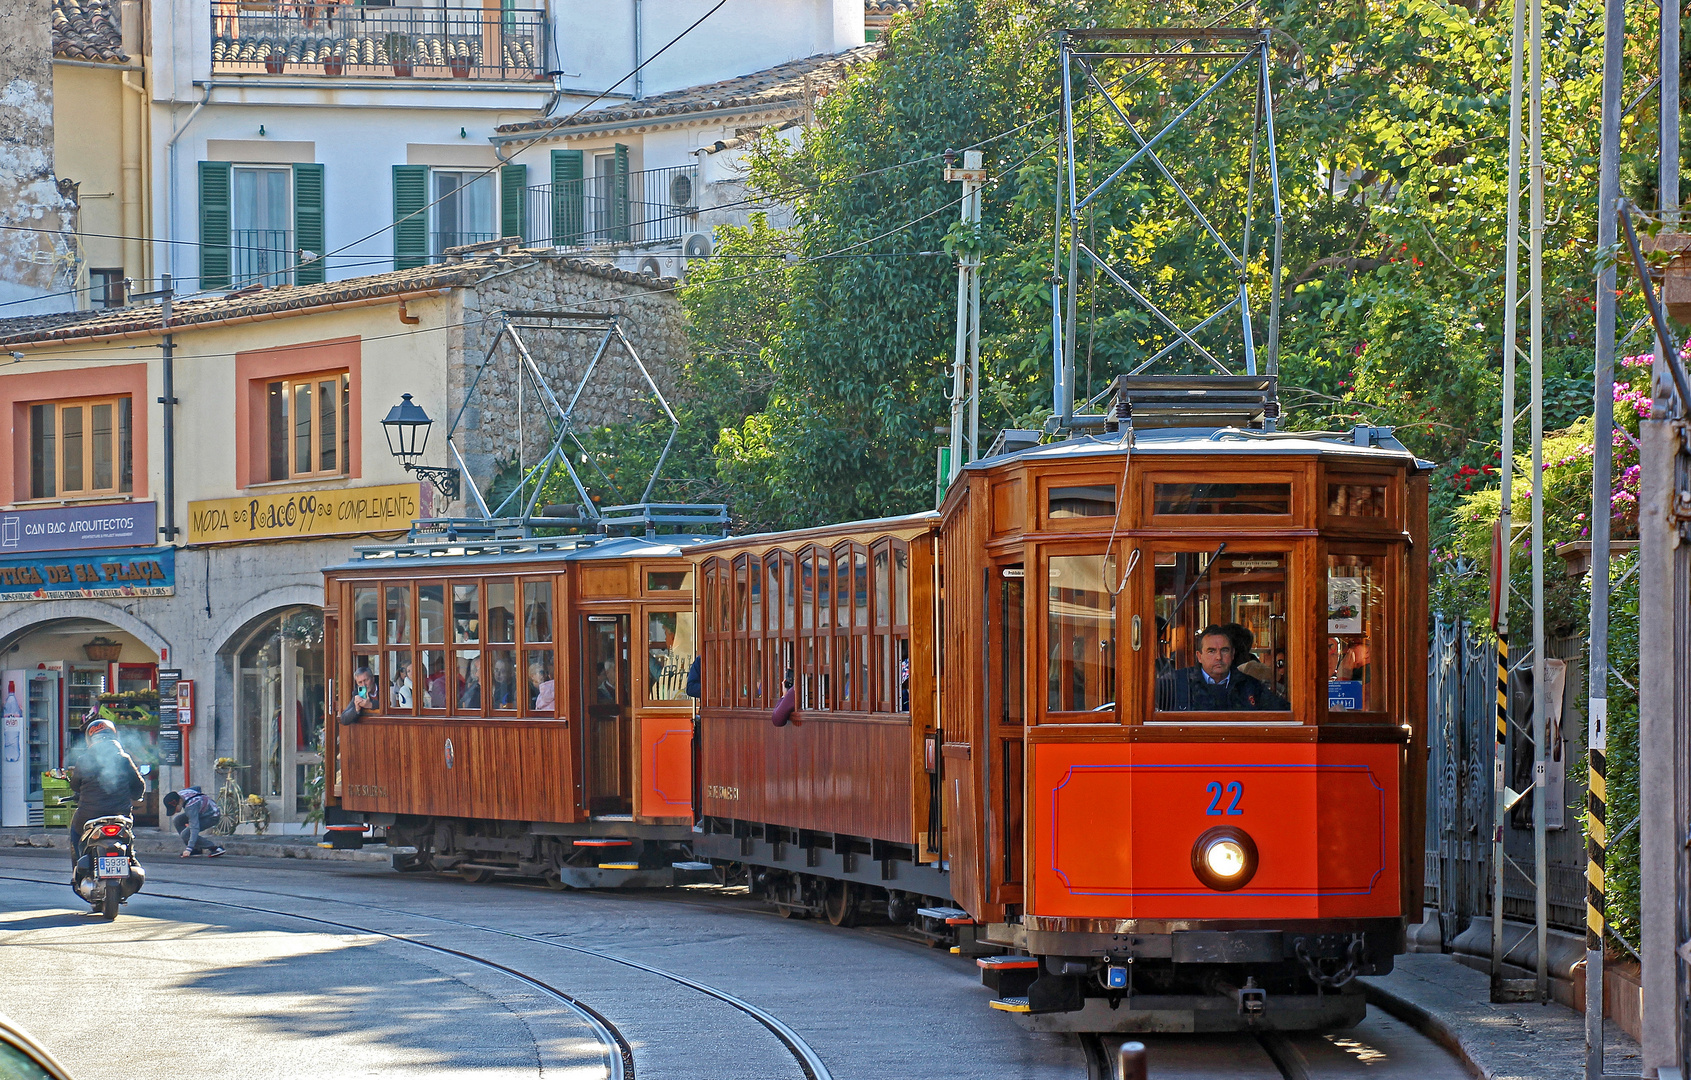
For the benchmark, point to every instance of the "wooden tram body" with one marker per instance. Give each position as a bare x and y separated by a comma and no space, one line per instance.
532,715
1085,768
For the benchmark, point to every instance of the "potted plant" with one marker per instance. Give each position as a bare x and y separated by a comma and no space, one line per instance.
400,53
275,60
459,62
333,63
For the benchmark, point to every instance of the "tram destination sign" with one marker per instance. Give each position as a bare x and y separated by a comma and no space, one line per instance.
149,571
77,528
291,515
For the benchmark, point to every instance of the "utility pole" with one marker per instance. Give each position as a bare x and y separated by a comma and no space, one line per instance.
1535,260
168,531
1603,421
1511,263
966,365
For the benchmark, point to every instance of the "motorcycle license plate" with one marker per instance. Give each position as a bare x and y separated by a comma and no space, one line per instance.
114,866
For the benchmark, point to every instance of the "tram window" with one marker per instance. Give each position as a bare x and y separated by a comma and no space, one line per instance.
541,693
807,590
740,594
756,615
669,580
842,586
1011,703
365,617
1221,631
708,604
431,614
466,613
1081,502
401,687
901,586
502,612
823,577
537,611
772,567
1356,500
670,646
860,587
1080,634
1356,608
883,589
467,686
1222,498
432,678
502,671
399,614
789,597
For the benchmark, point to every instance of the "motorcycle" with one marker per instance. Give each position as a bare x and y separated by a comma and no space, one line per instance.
107,873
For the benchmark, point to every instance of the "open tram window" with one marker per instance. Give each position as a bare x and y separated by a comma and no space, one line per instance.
1221,631
669,652
1356,621
1080,636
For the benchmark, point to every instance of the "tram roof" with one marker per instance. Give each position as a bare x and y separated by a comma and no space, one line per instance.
926,519
1372,444
520,551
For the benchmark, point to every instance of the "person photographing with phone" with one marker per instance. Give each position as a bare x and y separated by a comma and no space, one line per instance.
365,696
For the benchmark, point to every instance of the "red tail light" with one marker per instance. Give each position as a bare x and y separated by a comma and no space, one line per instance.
110,830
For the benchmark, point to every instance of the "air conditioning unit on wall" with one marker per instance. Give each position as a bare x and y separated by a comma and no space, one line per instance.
698,246
652,266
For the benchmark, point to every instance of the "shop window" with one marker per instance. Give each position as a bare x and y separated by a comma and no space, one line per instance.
279,702
1080,635
81,448
1356,627
308,425
1221,631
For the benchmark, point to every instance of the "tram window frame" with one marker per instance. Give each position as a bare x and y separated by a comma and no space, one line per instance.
1051,520
1296,605
648,614
1382,651
434,643
365,654
399,646
1388,522
824,631
467,645
528,649
494,648
1297,502
1039,620
840,556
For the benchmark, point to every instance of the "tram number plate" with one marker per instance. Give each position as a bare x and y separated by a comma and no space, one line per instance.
114,866
1224,799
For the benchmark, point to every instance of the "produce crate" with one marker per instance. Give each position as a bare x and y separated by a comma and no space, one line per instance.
57,817
54,792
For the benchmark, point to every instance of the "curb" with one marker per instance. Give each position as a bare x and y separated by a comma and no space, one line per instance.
1427,1023
148,845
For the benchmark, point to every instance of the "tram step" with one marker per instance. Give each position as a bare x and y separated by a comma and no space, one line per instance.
1002,962
603,842
1007,976
950,916
613,817
1011,1005
692,866
619,866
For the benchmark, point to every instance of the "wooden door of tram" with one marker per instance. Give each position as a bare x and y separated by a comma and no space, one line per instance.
608,705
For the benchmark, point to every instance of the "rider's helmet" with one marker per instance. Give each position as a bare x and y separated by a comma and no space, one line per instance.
98,727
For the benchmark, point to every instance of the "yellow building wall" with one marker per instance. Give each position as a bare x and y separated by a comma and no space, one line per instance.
98,143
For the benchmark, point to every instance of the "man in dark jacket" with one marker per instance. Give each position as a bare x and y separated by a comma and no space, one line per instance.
1214,684
103,778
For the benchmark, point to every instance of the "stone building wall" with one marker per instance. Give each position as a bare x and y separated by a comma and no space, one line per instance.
31,263
493,425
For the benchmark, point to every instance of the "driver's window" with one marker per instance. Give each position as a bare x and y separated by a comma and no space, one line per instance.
1221,631
1080,636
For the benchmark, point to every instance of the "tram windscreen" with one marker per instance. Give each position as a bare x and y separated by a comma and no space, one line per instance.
1220,631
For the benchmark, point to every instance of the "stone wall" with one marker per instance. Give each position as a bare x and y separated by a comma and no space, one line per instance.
32,264
493,425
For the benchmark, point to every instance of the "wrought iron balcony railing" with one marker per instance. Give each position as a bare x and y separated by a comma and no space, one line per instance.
322,37
654,206
262,256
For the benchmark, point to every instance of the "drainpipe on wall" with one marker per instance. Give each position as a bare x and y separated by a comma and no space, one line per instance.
134,250
639,80
170,196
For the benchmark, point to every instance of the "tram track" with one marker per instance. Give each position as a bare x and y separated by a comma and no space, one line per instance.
620,1064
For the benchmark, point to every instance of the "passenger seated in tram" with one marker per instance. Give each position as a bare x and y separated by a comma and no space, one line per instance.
1214,684
540,687
504,684
1247,661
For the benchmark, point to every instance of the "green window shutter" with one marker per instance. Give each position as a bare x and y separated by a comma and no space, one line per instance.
513,201
620,231
308,224
566,198
410,216
214,224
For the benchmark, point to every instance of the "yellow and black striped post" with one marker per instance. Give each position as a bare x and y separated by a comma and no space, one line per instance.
1596,843
1499,769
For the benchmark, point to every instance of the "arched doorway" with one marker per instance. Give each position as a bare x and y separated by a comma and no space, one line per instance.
278,674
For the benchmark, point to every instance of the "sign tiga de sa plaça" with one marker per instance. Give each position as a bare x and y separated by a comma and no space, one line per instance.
90,575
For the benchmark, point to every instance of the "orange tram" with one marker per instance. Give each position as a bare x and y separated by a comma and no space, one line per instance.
1135,719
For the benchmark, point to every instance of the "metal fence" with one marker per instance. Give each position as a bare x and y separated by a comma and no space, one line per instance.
653,206
338,39
1461,708
265,256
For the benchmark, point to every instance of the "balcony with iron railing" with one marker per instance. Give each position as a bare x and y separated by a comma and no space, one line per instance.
639,208
338,40
261,256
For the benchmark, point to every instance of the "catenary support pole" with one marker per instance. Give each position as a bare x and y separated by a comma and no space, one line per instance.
1506,464
1535,273
1603,421
966,359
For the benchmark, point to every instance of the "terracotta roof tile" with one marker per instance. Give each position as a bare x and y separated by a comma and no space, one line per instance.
70,325
886,9
782,84
87,30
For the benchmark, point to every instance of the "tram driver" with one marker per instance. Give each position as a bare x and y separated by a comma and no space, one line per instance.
1214,684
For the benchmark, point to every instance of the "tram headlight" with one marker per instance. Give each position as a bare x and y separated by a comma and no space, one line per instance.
1225,858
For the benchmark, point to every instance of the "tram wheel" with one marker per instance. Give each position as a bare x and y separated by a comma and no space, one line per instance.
841,903
555,882
475,875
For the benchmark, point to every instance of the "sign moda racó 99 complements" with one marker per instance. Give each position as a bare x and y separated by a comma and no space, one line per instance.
90,575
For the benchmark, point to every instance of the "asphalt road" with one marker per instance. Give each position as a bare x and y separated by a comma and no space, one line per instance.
252,968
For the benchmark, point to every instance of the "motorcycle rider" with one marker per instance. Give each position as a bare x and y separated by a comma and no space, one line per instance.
104,779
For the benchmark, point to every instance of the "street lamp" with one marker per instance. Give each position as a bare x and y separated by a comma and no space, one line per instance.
407,430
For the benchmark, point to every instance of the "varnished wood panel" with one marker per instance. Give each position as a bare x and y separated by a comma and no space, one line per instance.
604,581
496,770
1009,506
836,775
